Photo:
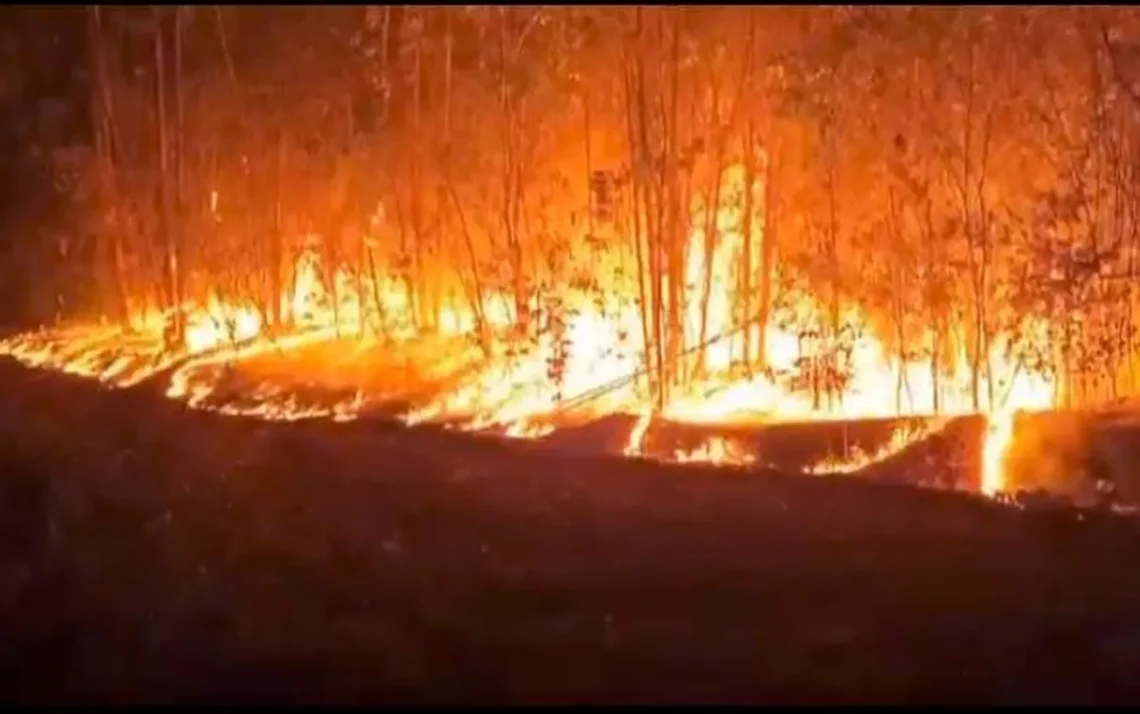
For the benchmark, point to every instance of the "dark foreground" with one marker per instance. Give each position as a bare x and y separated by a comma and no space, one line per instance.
147,553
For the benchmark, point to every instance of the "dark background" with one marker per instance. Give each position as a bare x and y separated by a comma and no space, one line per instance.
43,90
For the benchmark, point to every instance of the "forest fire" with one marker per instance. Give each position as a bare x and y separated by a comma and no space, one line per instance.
524,220
523,347
592,366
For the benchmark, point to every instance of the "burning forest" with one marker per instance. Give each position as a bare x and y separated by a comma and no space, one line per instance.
523,221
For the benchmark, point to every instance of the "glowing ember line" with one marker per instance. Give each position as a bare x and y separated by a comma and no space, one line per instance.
715,450
901,439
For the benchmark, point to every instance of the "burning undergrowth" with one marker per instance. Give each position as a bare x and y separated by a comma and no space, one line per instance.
275,380
691,370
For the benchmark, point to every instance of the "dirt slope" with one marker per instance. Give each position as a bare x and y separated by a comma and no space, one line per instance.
148,553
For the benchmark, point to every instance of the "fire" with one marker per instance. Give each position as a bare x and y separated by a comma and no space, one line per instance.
107,354
219,324
857,459
995,446
633,445
588,357
715,450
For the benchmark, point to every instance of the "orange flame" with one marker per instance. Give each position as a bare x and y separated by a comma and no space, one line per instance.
599,353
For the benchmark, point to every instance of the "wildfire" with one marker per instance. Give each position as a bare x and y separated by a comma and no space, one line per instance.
588,360
857,459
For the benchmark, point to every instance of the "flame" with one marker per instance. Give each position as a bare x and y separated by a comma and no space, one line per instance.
588,358
635,443
857,459
715,450
995,448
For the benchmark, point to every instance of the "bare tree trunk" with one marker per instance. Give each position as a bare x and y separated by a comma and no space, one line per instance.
589,162
639,213
511,178
364,265
712,210
476,298
418,230
277,244
834,267
938,337
1131,295
109,201
448,50
165,221
976,236
180,213
744,100
385,74
678,214
746,248
654,215
770,240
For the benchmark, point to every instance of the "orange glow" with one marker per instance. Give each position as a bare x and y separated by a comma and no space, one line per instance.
600,354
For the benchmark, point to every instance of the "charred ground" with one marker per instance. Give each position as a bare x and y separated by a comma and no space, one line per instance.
151,553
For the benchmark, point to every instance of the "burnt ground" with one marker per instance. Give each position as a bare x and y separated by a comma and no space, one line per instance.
148,553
